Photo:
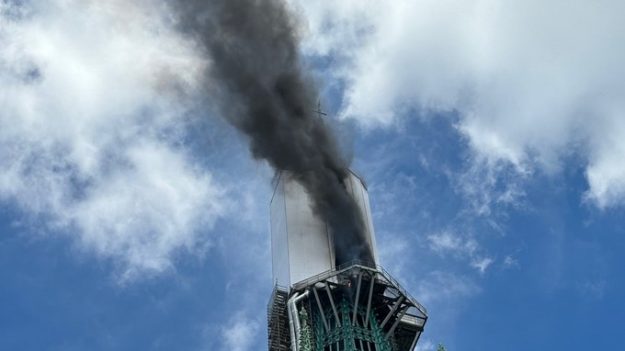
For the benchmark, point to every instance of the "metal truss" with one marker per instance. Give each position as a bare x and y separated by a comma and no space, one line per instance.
354,308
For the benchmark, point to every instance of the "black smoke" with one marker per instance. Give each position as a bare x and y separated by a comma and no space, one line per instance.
253,49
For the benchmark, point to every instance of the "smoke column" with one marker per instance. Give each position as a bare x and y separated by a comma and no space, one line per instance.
253,49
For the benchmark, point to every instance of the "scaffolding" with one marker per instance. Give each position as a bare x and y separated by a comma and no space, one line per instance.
356,308
278,321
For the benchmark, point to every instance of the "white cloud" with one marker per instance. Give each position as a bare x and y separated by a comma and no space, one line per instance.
425,345
447,242
510,262
90,129
593,289
142,214
240,333
481,264
488,185
606,171
440,286
532,82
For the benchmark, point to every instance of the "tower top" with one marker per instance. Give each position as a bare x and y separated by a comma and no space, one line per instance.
302,244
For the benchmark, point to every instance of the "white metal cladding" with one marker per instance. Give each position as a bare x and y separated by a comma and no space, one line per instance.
357,188
300,242
279,240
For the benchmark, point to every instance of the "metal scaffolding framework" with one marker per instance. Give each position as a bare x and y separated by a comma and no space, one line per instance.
277,320
355,308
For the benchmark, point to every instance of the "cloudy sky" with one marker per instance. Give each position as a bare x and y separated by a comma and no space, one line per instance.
491,135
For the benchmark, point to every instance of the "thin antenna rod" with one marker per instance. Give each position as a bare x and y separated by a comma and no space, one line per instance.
319,112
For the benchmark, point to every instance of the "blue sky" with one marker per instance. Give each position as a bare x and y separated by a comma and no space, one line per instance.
491,136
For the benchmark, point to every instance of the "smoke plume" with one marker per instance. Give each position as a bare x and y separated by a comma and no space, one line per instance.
252,46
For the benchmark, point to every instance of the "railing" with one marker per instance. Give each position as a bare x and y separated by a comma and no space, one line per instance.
276,288
389,277
362,265
277,320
